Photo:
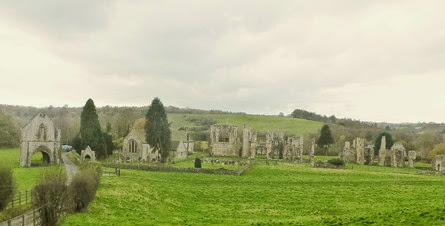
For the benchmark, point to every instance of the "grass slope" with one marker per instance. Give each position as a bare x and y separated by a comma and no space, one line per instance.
269,194
258,122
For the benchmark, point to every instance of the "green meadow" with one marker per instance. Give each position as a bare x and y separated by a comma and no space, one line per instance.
286,193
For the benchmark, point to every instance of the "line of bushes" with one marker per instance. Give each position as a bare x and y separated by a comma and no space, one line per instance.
178,169
55,197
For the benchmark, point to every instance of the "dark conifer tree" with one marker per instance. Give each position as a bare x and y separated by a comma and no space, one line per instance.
90,131
157,129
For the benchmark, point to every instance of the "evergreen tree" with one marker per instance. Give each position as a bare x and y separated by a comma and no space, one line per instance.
378,142
157,129
90,131
325,137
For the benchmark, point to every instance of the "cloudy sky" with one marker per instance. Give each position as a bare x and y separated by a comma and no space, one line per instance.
368,60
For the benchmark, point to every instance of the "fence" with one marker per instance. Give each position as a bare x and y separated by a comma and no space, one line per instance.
177,169
31,217
116,172
20,199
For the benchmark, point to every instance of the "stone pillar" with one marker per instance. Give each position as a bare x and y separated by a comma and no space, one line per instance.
269,140
246,141
301,150
411,158
382,152
312,152
360,150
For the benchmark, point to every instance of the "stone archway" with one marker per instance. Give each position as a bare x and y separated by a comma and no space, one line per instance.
47,158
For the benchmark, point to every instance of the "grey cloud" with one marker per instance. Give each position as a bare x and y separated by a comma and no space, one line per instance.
256,56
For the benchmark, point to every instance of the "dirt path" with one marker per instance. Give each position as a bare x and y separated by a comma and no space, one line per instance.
71,168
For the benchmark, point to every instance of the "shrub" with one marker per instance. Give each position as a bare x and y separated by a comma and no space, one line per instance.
83,189
95,166
336,162
6,186
51,196
198,163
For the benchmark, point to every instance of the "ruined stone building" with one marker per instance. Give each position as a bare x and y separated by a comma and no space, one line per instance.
135,148
439,163
88,155
275,145
228,140
249,143
293,149
180,150
40,135
356,153
395,157
398,154
411,158
225,141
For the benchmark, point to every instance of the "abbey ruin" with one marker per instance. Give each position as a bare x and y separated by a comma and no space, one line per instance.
40,135
228,140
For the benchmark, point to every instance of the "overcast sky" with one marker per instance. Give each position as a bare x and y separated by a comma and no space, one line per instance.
368,60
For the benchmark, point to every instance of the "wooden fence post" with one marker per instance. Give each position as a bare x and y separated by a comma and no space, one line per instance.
34,217
23,220
20,198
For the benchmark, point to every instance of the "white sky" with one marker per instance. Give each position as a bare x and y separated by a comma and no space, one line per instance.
368,60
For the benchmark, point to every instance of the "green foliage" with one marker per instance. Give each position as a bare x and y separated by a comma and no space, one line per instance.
325,137
337,162
109,146
378,142
9,132
83,189
94,166
198,163
52,197
90,131
6,186
157,128
77,143
439,149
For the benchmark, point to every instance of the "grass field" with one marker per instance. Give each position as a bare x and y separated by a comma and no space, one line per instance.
258,122
25,178
269,194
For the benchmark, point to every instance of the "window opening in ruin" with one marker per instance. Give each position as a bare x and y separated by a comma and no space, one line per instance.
133,146
42,132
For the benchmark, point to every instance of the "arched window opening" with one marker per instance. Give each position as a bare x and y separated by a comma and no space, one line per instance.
42,132
133,146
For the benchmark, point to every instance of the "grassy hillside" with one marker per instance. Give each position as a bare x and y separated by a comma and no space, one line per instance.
269,194
258,122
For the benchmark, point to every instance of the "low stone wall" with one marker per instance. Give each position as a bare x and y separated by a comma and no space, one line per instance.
323,164
178,169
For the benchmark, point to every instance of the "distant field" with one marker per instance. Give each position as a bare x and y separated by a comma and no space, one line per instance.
269,194
258,122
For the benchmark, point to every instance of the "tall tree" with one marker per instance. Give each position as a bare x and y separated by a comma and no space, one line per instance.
9,132
325,137
90,131
378,142
157,129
